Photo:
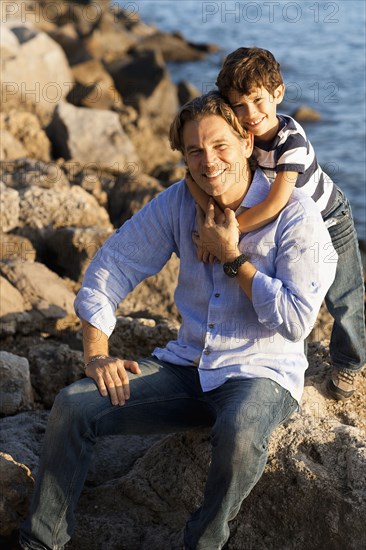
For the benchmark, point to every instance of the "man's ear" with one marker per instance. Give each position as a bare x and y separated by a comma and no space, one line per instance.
279,94
249,144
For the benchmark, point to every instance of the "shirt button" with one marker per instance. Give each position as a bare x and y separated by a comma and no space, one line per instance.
217,295
211,325
207,352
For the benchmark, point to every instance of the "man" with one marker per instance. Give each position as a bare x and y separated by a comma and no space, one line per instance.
239,349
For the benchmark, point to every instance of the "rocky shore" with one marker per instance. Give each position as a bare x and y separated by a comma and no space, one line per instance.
87,100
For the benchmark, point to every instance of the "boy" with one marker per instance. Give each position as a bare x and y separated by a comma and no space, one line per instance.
251,81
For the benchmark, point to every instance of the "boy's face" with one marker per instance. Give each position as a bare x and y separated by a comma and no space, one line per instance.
257,111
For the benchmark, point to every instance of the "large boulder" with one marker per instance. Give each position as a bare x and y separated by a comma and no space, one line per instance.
37,74
90,136
313,483
16,390
9,207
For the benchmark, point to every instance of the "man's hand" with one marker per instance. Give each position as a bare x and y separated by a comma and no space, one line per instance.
219,240
111,377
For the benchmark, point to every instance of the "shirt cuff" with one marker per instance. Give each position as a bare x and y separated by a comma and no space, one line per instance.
265,291
90,308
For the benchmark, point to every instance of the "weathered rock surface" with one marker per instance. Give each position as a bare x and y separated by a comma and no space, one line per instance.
16,391
16,483
10,147
26,172
187,92
53,366
99,138
16,247
9,208
42,209
26,128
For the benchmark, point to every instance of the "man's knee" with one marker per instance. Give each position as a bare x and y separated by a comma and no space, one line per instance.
73,402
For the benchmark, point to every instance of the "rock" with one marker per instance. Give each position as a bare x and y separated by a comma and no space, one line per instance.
9,207
71,43
28,172
53,366
42,290
16,484
154,296
90,136
144,83
16,391
9,45
48,208
187,92
38,76
169,173
15,247
70,250
12,309
10,147
136,338
94,87
174,47
152,145
306,114
25,127
130,193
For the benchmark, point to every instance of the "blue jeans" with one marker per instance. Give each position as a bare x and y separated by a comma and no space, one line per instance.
345,298
164,398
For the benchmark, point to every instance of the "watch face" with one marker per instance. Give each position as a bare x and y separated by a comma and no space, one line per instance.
230,270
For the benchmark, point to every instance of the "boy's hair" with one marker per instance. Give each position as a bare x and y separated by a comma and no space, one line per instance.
211,103
249,68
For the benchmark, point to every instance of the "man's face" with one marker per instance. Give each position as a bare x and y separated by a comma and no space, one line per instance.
217,157
257,111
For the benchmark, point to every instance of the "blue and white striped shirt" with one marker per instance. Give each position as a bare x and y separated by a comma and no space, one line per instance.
222,332
291,151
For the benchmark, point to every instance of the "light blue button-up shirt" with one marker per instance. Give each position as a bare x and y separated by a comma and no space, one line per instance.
222,332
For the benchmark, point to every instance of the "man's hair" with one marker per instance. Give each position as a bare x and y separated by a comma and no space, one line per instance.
249,68
208,104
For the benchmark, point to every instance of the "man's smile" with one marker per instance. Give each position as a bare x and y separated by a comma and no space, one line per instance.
214,174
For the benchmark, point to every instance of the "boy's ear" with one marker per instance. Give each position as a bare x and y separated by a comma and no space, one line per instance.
279,93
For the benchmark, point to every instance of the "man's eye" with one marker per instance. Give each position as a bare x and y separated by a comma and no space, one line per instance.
221,146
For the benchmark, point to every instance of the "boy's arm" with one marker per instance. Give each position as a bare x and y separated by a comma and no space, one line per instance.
268,210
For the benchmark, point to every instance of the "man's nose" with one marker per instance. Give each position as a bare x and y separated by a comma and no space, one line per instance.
210,157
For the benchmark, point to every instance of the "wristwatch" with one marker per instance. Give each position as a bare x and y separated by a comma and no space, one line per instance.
231,268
